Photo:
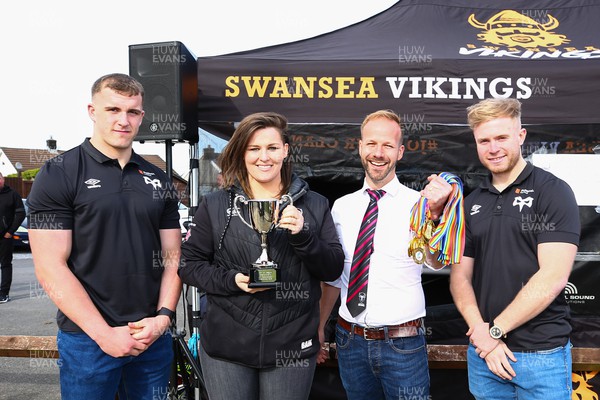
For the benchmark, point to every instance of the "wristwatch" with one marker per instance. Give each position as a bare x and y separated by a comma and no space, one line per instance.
496,332
167,312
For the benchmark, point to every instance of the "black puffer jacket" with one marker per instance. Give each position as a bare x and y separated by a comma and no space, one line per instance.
277,327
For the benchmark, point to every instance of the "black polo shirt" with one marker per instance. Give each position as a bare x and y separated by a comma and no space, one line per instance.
115,215
503,230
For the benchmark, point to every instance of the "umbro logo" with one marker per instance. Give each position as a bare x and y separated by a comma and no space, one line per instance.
475,209
92,183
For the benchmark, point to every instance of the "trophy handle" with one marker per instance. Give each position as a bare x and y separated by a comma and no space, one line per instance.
279,203
241,198
288,197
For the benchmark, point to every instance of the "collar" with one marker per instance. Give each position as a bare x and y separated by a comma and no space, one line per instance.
487,183
93,152
392,188
298,188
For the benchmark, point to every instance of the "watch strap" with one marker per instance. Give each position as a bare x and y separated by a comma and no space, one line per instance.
167,312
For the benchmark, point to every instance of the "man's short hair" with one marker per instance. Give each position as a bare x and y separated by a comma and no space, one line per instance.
489,109
120,83
384,114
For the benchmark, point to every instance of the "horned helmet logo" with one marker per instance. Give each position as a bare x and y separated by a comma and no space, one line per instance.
513,29
582,389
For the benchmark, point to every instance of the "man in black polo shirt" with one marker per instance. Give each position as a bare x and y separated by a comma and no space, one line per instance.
105,239
522,233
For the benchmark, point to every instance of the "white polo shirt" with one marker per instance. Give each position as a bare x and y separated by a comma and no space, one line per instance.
395,294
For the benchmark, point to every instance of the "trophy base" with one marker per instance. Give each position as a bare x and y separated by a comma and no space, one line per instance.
262,276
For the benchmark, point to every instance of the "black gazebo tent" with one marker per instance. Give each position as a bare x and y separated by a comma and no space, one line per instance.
428,61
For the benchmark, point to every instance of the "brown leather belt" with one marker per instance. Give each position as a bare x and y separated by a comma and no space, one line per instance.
407,329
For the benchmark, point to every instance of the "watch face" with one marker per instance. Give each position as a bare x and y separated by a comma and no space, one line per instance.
495,332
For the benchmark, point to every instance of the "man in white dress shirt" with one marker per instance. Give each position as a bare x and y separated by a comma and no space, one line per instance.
380,333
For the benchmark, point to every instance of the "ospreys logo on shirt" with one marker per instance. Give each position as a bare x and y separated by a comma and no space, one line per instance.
522,202
156,184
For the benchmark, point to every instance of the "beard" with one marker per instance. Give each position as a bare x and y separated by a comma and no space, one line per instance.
379,175
506,167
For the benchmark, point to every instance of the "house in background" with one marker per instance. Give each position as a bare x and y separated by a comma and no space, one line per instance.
209,172
16,161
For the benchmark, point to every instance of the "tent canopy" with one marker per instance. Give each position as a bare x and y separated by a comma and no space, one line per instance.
426,60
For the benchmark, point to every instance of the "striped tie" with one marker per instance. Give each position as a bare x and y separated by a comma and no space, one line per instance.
359,272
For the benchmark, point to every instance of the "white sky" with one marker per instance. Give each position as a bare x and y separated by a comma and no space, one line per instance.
52,52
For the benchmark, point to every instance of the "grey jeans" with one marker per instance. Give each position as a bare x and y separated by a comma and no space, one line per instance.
229,381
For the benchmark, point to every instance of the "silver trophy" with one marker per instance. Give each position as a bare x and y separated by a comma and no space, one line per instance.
263,213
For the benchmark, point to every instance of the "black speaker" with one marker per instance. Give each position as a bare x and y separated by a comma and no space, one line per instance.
167,70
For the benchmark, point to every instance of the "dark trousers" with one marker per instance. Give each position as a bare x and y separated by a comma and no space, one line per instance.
6,256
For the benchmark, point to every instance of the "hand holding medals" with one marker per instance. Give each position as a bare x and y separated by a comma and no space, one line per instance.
448,236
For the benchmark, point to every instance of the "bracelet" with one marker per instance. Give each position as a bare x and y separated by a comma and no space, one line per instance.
167,312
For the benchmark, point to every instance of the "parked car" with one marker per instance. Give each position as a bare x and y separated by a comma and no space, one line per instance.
184,218
21,236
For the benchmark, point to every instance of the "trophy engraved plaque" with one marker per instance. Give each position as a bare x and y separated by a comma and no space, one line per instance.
263,214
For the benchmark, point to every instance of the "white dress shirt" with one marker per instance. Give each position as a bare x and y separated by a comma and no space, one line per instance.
394,294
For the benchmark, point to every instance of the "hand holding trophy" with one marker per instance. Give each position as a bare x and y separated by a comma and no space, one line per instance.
263,213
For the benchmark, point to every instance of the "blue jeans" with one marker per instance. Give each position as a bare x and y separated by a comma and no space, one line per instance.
86,372
291,379
383,369
541,375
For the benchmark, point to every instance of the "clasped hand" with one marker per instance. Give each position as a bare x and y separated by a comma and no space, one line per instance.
495,352
133,339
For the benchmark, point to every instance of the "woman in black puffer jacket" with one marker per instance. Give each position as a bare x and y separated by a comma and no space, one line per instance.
259,343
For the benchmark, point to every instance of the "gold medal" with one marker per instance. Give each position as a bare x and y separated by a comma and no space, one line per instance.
428,230
418,244
416,249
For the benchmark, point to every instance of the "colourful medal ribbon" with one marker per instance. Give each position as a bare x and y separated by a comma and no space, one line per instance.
449,236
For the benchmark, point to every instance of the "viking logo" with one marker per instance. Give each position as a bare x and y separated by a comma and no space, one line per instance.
513,29
583,388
